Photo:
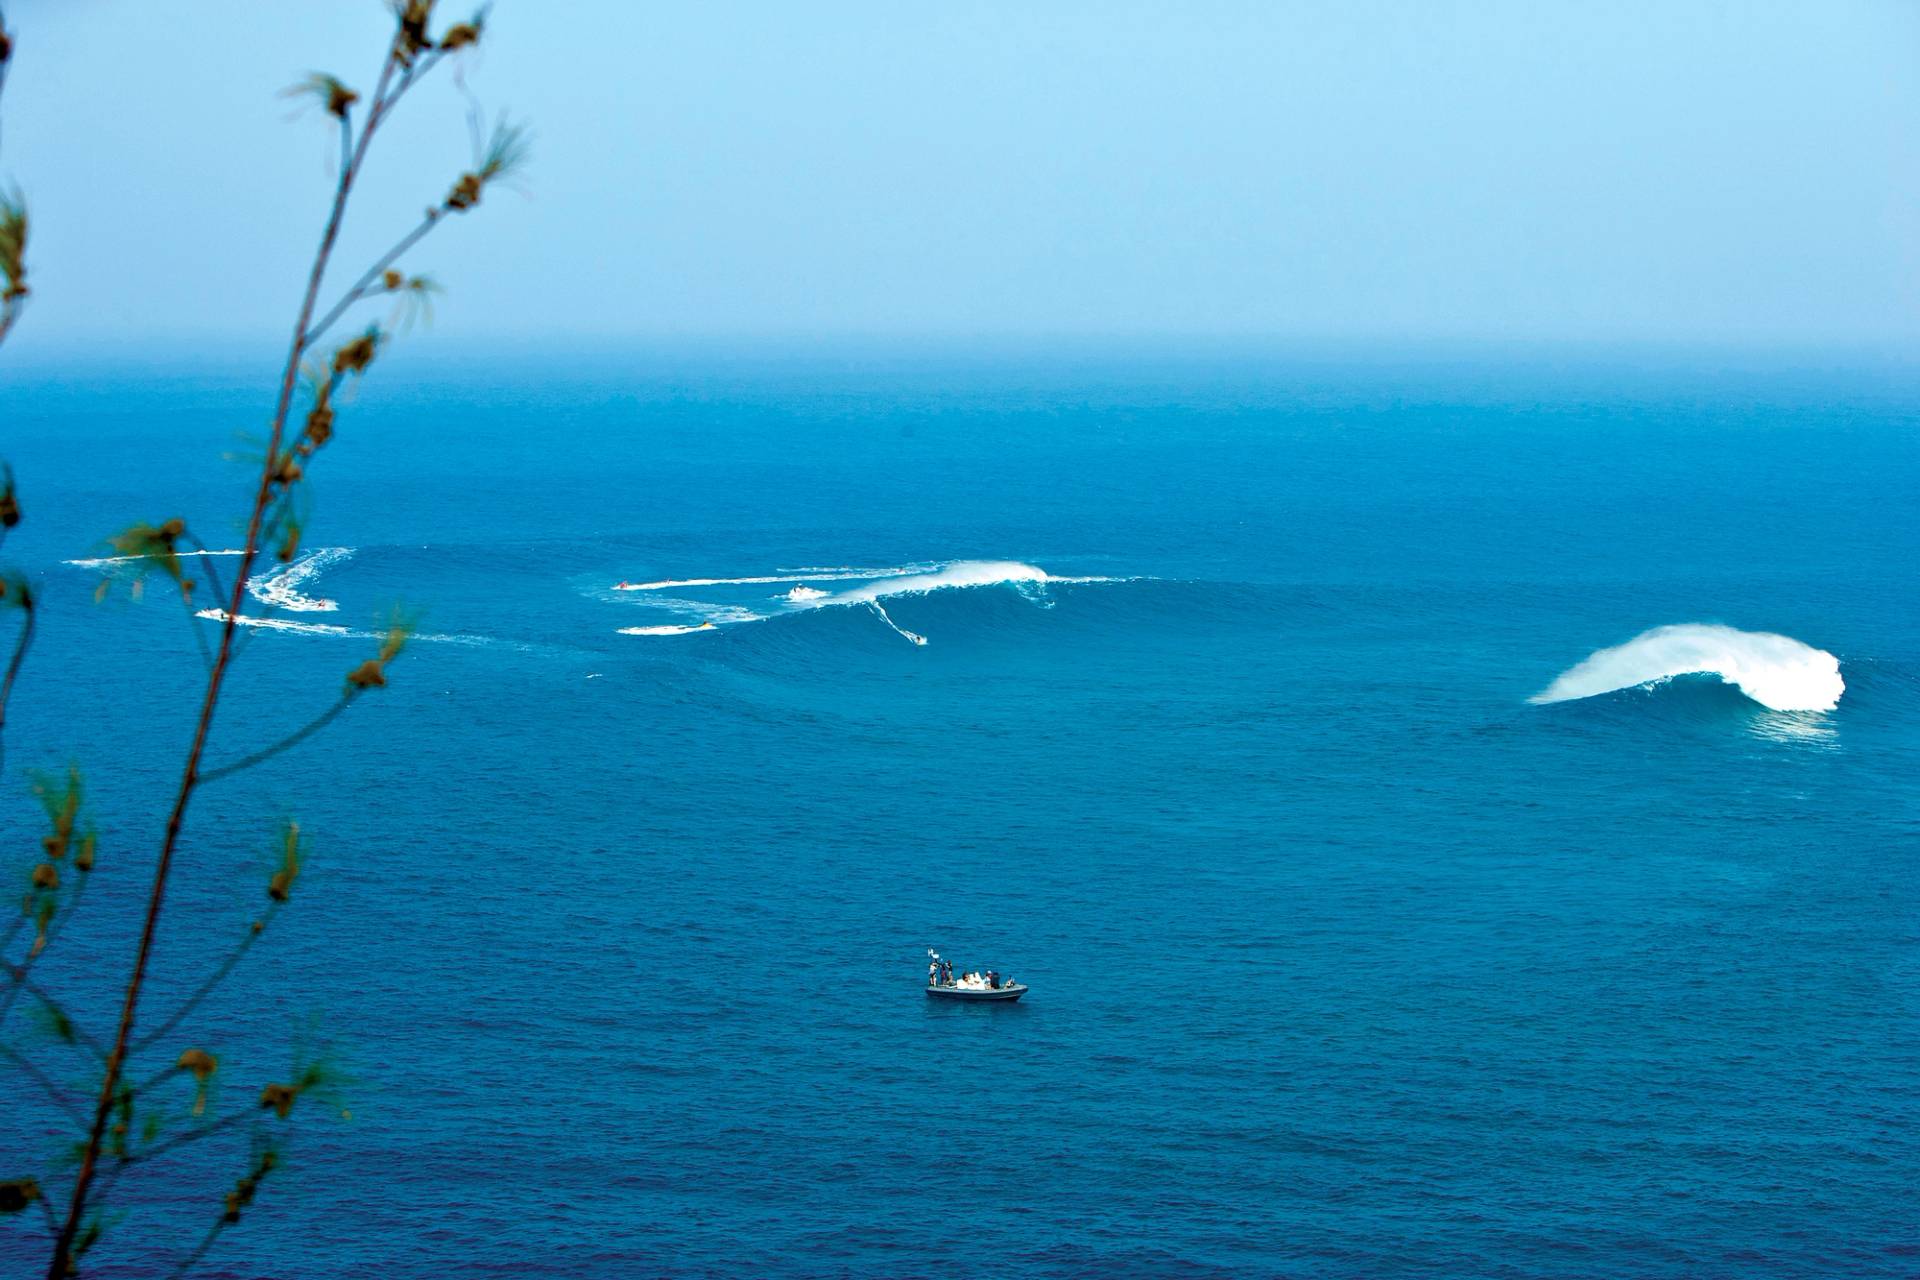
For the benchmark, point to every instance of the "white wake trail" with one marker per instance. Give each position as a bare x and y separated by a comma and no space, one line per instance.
1775,671
280,588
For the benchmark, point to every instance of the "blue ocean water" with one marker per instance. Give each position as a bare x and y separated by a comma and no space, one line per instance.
1346,959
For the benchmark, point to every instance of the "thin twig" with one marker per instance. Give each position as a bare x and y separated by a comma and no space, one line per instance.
185,1137
364,285
20,648
45,1082
59,923
17,974
292,740
213,980
200,1250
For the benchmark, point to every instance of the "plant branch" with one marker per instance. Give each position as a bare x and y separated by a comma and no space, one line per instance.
364,285
192,1135
61,1263
17,974
45,1082
292,740
200,1250
213,980
20,647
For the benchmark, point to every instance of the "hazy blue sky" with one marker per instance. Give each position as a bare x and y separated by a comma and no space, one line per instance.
1721,172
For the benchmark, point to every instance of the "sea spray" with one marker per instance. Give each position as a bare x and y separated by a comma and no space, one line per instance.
1775,671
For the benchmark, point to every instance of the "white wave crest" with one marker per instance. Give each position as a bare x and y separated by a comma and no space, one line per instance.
667,630
280,588
961,573
1775,671
874,585
825,575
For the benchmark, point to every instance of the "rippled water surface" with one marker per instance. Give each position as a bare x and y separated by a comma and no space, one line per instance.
1346,959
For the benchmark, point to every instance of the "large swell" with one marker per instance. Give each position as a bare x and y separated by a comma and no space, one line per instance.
701,604
1775,671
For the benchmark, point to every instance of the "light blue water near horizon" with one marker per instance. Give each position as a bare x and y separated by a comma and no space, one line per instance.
1346,960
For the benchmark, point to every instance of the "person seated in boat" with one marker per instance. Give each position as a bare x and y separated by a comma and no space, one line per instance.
993,979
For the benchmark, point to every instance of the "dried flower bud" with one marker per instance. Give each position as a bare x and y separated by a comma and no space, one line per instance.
9,508
83,860
355,356
18,1194
466,192
392,279
46,876
368,675
320,424
459,36
279,1097
198,1061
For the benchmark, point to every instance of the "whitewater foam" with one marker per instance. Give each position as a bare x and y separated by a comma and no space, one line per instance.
875,585
667,630
280,588
825,575
1775,671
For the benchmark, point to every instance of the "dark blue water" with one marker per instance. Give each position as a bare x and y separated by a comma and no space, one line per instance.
1345,959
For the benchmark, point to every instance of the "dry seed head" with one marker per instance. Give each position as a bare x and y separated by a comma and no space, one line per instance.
18,1194
368,675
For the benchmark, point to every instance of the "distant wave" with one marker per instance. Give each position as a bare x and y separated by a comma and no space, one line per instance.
280,588
875,585
961,573
823,575
1775,671
668,630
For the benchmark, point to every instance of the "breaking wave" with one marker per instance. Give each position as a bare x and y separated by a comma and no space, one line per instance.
1775,671
668,630
873,586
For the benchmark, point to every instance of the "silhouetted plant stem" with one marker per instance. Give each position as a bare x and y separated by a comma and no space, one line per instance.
200,1250
364,285
293,739
213,980
61,1264
19,972
17,976
20,647
47,1086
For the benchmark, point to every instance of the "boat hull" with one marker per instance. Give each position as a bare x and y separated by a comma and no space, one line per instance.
1012,991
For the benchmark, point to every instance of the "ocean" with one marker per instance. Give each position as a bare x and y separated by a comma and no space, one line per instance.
1196,691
